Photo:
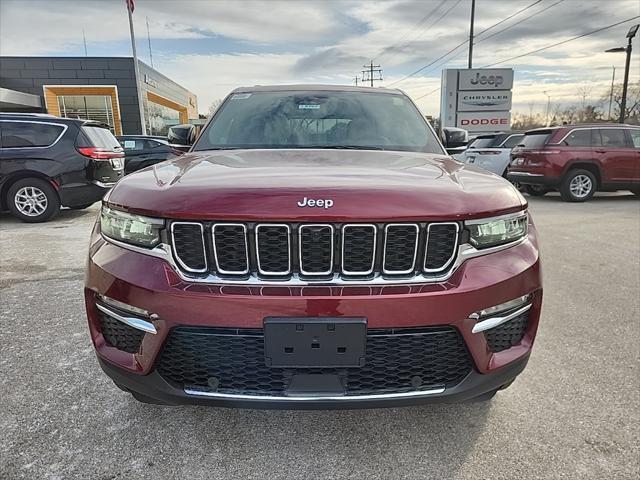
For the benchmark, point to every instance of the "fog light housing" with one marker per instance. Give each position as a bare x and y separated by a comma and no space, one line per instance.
498,314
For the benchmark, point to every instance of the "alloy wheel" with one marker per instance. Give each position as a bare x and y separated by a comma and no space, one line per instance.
31,201
580,186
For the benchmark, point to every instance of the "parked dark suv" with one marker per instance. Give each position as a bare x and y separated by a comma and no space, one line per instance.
316,248
47,162
578,160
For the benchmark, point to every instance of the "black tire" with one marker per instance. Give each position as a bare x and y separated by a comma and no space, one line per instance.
575,181
81,207
51,202
536,190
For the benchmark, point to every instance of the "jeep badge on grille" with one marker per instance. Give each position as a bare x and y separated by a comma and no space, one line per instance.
320,202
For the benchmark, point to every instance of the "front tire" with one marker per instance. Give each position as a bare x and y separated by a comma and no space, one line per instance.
33,200
578,186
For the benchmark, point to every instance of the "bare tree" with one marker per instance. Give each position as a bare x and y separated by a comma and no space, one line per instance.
632,110
214,106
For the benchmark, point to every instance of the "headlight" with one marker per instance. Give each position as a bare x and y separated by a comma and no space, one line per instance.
130,228
498,231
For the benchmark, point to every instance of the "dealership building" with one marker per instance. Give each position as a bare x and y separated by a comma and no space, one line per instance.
95,88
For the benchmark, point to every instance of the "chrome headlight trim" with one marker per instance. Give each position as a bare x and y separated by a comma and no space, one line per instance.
505,219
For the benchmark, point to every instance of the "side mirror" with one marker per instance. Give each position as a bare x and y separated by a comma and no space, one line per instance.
455,140
182,136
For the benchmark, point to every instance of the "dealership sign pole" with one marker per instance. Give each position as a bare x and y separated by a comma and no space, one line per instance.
130,7
477,100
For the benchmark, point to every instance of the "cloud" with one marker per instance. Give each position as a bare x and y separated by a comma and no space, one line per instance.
212,47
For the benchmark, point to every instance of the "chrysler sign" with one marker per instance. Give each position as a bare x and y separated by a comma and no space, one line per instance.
481,100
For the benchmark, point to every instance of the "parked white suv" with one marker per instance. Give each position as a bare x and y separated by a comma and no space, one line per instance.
492,151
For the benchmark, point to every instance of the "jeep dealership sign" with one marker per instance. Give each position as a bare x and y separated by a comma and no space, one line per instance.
478,100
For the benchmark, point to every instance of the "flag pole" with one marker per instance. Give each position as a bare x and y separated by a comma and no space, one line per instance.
129,5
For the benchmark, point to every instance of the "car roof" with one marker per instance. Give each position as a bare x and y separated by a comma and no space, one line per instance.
316,88
580,125
45,117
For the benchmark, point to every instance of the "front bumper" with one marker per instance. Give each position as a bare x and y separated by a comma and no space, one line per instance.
150,283
156,388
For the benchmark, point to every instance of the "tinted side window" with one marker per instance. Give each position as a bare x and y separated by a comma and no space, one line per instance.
635,136
133,145
613,137
99,137
29,134
579,138
535,140
512,141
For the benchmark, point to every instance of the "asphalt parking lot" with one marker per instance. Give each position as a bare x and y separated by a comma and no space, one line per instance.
574,413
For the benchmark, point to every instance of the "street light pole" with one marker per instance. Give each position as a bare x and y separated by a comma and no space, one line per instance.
625,84
623,103
473,14
613,79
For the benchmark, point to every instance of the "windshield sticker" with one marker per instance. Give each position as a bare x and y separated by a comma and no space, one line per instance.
129,144
240,96
309,106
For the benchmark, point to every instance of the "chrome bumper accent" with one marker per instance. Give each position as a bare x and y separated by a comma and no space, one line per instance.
495,321
133,322
527,174
103,184
321,398
465,252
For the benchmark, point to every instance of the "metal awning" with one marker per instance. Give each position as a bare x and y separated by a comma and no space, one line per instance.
12,99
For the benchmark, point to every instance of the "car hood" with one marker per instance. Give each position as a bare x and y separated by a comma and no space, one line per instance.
363,185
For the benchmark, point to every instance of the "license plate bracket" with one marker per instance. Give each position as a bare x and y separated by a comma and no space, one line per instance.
315,342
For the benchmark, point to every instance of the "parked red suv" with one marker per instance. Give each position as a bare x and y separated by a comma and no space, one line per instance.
315,249
578,160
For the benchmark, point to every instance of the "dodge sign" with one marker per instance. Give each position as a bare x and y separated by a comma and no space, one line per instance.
484,121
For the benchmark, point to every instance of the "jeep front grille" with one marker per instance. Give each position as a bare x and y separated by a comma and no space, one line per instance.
319,252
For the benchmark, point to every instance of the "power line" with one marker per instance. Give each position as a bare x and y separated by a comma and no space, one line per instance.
563,42
509,17
465,42
422,21
426,94
519,21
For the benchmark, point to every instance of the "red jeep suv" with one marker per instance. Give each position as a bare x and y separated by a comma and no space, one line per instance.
578,160
316,248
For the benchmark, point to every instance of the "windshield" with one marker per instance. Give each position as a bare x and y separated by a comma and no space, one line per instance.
322,119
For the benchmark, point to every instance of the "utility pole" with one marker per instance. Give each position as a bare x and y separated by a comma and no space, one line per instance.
473,14
625,84
130,6
84,39
356,80
613,79
368,74
548,106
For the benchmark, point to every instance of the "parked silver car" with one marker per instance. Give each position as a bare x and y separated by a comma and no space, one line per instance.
492,151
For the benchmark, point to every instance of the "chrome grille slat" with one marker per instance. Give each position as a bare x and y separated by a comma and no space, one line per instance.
320,252
437,258
364,245
273,248
230,248
189,248
400,248
315,249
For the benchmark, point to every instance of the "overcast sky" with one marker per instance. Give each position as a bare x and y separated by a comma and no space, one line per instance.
213,46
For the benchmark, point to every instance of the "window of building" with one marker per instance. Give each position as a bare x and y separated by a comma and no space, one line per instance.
89,107
28,134
160,118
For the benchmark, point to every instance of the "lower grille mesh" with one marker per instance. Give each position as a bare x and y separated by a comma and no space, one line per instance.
508,334
214,360
120,335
